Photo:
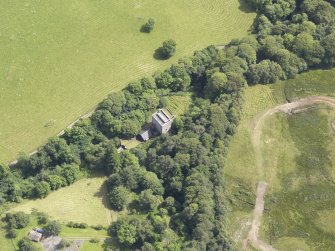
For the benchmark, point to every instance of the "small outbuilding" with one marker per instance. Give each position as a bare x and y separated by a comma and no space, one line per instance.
145,135
35,236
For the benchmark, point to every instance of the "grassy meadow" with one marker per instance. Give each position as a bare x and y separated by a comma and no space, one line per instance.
179,104
84,201
297,163
312,83
59,59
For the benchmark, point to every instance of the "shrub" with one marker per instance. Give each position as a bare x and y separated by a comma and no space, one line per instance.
53,228
70,224
94,240
42,189
98,227
42,218
83,225
168,49
26,244
12,233
17,220
148,26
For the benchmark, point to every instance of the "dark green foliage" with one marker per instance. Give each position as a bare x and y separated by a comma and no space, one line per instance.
148,26
119,197
70,173
17,220
327,44
55,181
42,189
26,244
98,227
11,233
126,233
148,201
168,48
80,225
52,228
264,72
94,240
42,218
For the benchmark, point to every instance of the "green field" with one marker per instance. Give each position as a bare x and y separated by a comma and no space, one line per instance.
84,201
92,246
59,59
317,82
297,163
179,104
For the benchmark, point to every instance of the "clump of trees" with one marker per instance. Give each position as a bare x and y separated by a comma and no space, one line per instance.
26,244
81,225
148,26
167,50
15,221
53,228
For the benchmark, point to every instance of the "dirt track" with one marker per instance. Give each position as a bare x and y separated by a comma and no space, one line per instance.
256,140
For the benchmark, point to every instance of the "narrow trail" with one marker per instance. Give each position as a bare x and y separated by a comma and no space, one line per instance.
257,124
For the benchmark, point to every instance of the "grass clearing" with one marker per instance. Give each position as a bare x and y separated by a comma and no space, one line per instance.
241,161
179,104
88,246
59,60
312,83
298,164
84,201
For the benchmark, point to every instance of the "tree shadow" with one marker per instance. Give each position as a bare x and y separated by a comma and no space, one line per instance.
246,7
103,194
159,55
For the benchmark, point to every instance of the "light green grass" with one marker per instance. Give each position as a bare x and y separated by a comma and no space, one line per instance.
241,161
88,246
312,83
87,232
6,244
59,59
325,220
130,143
291,243
83,201
179,104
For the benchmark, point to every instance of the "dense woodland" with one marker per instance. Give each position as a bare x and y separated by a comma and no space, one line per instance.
175,182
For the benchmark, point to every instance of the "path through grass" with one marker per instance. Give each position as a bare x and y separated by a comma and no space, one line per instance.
58,60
